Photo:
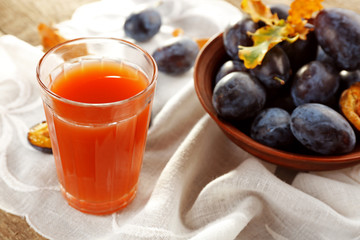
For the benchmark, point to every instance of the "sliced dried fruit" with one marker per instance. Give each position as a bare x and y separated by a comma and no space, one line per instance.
38,137
350,104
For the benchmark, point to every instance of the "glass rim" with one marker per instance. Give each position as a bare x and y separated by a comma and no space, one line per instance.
107,104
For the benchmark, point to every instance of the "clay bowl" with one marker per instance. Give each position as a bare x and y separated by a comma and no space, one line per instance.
211,57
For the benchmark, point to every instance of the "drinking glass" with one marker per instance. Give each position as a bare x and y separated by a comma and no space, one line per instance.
97,123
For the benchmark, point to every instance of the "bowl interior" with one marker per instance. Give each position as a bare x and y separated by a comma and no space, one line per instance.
212,56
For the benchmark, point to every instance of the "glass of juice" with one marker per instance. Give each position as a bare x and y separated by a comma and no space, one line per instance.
97,95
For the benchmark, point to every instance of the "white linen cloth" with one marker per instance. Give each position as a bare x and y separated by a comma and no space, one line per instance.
195,183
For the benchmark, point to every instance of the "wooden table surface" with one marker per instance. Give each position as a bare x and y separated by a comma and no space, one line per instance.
20,18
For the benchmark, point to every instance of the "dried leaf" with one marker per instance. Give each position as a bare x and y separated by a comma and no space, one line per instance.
264,39
276,30
300,11
201,42
50,36
259,11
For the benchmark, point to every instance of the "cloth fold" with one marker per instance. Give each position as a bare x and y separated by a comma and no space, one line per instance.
194,184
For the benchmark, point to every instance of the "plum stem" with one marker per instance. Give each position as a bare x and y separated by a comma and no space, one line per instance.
282,82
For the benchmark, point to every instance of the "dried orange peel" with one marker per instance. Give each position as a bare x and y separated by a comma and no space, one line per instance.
350,104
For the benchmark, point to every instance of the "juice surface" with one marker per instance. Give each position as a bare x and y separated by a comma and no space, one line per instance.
99,82
98,165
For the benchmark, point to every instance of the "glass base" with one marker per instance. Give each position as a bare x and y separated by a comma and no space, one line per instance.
97,208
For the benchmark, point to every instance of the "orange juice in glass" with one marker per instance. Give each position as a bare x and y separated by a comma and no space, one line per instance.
97,104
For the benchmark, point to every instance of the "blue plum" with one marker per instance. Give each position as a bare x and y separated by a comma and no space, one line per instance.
228,67
322,129
274,68
176,56
282,10
271,127
301,51
338,33
315,82
238,96
237,34
143,25
348,78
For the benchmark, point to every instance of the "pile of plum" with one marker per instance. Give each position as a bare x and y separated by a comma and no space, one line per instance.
175,56
291,100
